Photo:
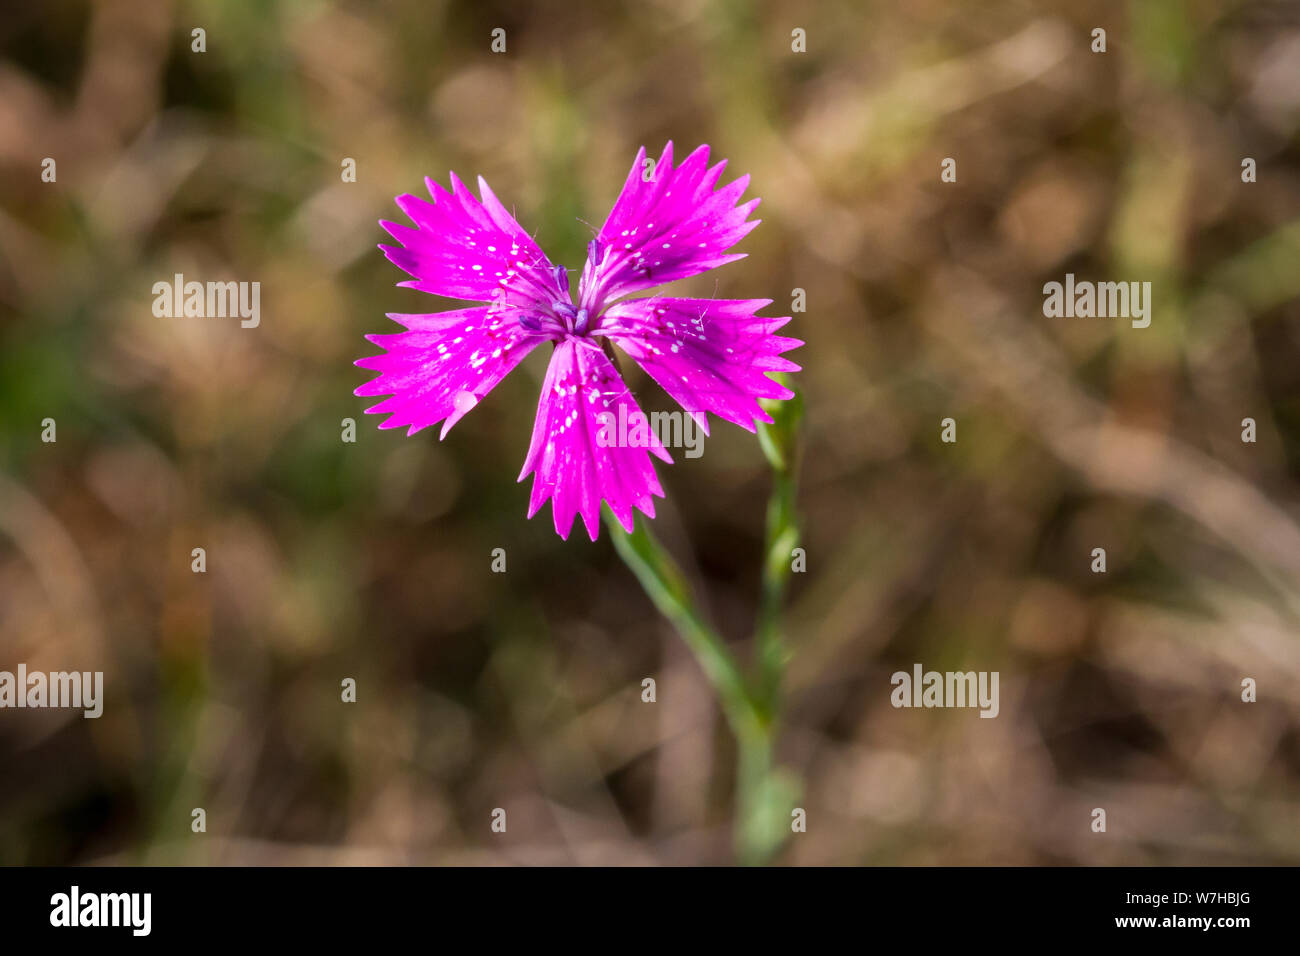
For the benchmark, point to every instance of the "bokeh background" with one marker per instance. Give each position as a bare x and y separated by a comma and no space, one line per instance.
521,690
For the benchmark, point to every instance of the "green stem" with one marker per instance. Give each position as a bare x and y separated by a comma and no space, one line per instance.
764,793
782,537
747,715
666,586
760,821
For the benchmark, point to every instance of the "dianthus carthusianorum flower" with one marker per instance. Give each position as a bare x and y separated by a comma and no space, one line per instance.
710,355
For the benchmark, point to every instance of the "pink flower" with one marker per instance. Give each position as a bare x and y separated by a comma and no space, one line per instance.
710,355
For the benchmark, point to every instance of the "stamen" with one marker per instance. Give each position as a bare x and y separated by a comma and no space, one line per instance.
529,321
595,252
562,278
580,323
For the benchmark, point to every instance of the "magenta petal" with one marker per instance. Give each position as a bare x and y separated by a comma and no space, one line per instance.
670,228
464,249
442,365
572,467
711,355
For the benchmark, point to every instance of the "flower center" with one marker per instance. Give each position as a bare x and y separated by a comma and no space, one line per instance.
564,317
573,319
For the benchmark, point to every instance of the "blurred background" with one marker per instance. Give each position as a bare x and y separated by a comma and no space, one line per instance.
328,560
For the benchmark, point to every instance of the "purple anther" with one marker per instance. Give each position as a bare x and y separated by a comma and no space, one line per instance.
562,278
